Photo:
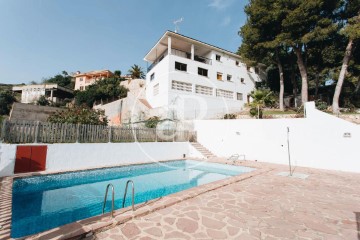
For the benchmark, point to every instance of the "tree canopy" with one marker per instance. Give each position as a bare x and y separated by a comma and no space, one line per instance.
103,90
7,98
63,80
304,41
136,72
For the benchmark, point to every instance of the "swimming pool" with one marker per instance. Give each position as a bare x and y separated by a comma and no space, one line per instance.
43,202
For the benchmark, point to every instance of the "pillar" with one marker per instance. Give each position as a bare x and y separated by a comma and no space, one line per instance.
192,52
169,45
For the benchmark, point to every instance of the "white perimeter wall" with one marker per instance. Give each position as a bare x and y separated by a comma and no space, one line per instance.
316,141
88,155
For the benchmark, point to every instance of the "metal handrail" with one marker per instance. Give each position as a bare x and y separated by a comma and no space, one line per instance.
112,200
233,157
133,193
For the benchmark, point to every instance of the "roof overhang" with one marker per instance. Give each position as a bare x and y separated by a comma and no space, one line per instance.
181,42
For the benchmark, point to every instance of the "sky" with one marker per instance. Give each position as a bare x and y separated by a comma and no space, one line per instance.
41,38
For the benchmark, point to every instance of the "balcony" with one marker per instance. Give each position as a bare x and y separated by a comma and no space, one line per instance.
182,54
187,55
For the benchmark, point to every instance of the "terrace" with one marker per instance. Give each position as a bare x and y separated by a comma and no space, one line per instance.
177,45
258,205
265,206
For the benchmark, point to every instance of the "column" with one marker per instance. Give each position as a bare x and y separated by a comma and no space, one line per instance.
169,45
192,52
52,94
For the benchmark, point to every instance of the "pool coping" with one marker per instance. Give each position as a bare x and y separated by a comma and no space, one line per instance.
89,226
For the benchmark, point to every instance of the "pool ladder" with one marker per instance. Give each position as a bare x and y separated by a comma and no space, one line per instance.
113,199
133,194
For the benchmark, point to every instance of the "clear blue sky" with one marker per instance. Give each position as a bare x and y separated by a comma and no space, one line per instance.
40,38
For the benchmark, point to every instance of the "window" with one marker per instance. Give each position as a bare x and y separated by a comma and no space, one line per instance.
219,76
203,90
180,66
242,80
248,68
229,77
218,57
81,79
181,86
81,88
152,76
156,89
239,96
203,72
237,63
224,93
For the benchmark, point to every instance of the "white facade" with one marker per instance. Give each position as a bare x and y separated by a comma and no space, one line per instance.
318,141
194,80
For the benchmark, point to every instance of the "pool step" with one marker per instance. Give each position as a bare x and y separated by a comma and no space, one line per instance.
203,150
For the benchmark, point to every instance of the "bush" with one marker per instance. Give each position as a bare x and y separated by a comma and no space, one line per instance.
6,100
261,98
42,101
321,105
230,116
79,115
152,122
255,112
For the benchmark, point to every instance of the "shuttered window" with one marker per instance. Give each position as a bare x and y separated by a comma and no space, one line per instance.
181,86
224,94
203,90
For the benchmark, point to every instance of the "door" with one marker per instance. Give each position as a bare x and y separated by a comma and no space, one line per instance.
30,159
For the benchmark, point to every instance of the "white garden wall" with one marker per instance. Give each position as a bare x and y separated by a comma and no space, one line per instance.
316,141
89,155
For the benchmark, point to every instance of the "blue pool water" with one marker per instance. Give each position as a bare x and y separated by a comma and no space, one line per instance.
44,202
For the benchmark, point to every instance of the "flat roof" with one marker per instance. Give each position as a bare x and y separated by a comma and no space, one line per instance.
45,85
95,72
188,39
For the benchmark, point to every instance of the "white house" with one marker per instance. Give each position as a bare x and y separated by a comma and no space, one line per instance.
193,79
53,92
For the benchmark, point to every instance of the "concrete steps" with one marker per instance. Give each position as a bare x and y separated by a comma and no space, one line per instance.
203,150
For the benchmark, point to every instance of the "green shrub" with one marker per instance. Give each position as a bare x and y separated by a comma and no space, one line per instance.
80,115
230,116
255,112
152,122
321,105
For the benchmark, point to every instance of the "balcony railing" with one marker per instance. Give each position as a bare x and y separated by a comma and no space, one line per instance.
187,55
157,61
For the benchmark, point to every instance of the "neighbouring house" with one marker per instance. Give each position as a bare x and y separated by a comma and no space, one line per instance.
53,92
83,80
191,79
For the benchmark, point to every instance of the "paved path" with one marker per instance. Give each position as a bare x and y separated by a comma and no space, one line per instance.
323,206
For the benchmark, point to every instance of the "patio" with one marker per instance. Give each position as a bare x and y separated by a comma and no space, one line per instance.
325,205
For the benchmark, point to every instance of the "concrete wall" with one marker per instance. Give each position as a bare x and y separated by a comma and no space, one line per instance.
22,111
89,155
316,141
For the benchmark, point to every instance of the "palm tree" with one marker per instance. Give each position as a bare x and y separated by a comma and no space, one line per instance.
136,72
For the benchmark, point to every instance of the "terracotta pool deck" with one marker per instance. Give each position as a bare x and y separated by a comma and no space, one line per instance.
325,205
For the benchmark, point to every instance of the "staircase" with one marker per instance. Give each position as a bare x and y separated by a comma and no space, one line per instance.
204,151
